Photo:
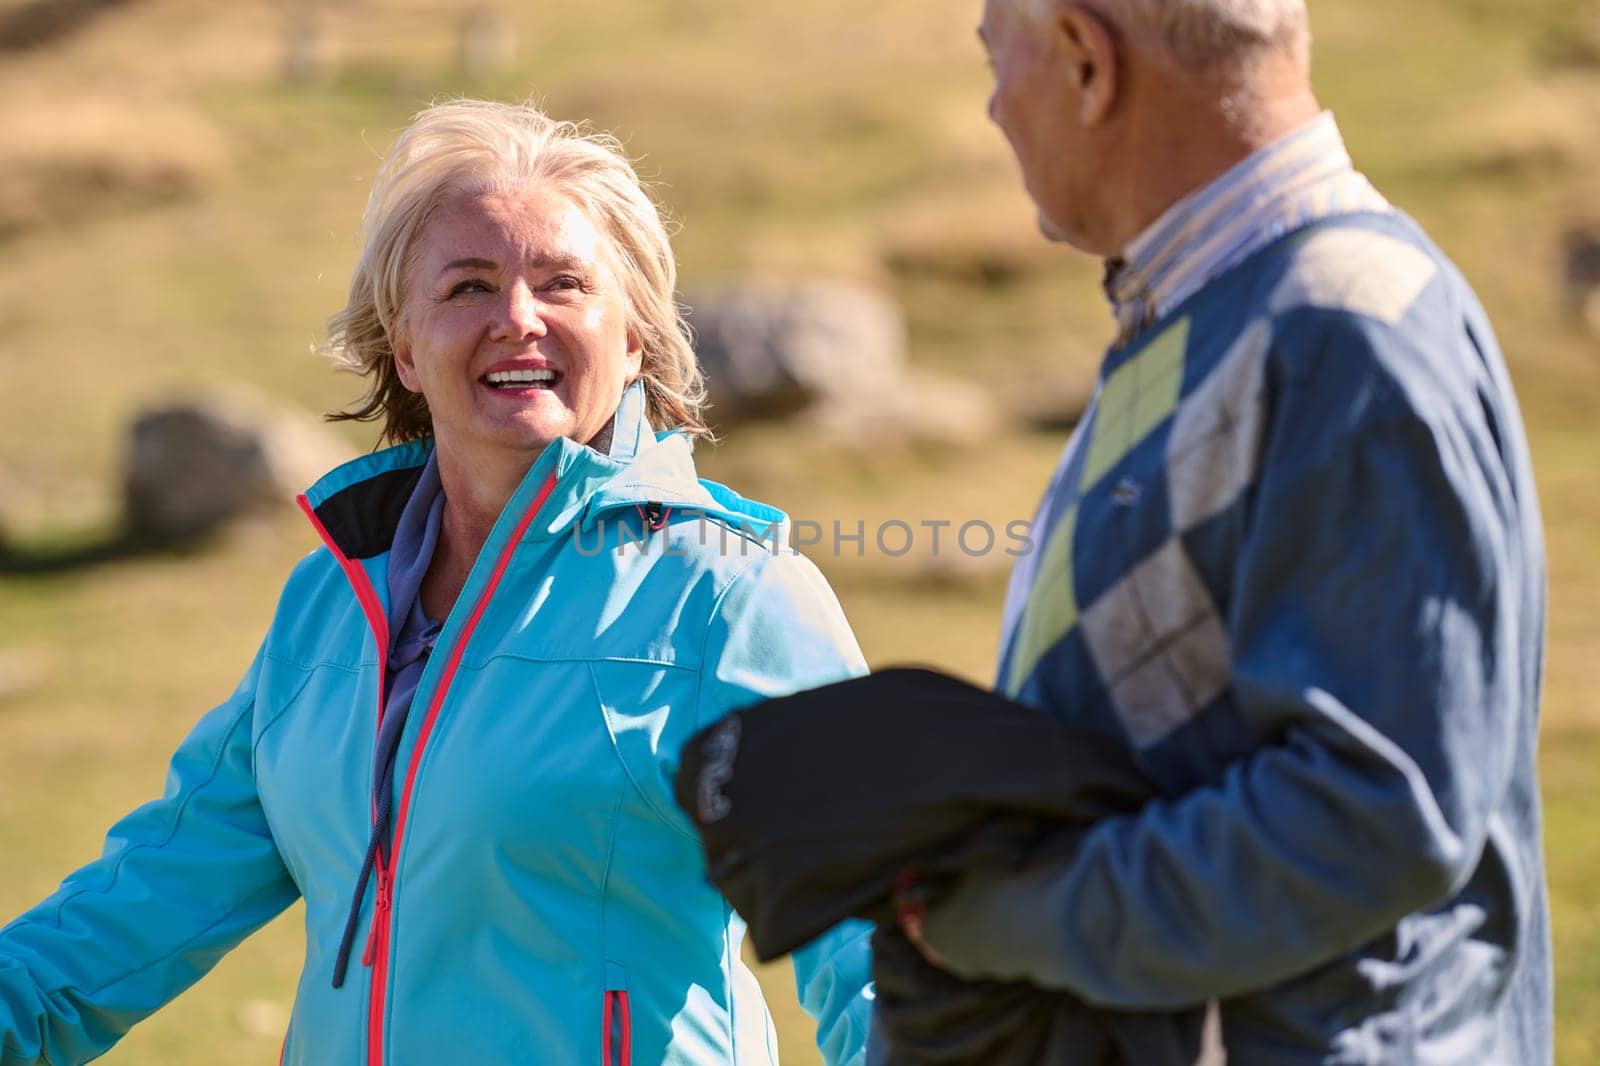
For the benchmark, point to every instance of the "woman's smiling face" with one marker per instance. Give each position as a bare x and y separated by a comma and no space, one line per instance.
515,324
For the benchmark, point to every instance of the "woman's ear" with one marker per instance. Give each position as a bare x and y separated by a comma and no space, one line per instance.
405,367
633,358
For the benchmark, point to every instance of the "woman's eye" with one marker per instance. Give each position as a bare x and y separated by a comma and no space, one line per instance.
470,285
566,281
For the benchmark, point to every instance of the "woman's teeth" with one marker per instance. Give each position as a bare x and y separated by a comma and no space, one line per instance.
539,379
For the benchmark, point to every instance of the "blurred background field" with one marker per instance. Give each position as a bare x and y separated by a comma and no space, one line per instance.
179,191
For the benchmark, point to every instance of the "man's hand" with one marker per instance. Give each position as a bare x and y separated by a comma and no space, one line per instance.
911,898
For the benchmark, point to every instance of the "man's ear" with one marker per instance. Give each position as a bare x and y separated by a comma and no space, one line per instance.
1092,51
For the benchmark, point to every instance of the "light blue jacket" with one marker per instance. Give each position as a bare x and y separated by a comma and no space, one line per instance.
546,900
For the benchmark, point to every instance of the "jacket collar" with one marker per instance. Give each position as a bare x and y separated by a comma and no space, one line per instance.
360,502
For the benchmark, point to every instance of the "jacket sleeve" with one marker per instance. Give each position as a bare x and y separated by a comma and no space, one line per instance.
778,629
180,882
1374,634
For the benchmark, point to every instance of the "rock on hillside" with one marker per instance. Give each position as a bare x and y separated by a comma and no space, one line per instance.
64,163
774,348
1583,275
195,463
836,352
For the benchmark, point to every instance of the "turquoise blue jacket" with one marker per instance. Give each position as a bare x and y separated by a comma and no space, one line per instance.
545,901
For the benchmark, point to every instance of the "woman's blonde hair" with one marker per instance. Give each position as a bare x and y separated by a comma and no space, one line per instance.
479,145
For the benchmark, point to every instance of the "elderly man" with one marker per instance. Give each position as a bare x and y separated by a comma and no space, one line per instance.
1291,558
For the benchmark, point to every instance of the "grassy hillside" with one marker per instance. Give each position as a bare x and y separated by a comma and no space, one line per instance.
173,211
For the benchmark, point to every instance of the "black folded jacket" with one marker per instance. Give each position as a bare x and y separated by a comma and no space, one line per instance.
811,807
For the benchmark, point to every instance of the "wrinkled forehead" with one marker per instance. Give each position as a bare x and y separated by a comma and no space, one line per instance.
532,220
528,225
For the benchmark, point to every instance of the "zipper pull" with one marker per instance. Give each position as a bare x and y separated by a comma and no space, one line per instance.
380,916
654,514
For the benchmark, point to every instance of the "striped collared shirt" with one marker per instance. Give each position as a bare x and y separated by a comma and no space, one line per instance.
1303,176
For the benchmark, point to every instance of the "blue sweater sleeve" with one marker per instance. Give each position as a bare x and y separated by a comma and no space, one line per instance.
779,629
1375,633
181,881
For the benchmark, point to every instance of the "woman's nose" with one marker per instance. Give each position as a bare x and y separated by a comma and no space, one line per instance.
521,314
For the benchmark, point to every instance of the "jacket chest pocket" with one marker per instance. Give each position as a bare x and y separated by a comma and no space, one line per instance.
649,713
616,1019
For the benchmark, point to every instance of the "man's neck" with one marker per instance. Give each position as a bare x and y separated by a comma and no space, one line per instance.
1165,168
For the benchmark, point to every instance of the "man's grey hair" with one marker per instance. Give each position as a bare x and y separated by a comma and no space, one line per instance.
1208,36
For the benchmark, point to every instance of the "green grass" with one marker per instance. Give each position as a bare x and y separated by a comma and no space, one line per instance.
1567,764
821,138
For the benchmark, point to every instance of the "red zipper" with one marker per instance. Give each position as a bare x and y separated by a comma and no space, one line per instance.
367,597
376,954
371,606
380,911
616,1016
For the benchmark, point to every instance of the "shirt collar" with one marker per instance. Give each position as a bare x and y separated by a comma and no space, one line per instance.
1303,176
415,539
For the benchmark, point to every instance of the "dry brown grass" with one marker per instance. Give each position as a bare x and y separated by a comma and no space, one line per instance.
67,162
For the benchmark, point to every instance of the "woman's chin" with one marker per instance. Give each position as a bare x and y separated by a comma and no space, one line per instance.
528,417
530,435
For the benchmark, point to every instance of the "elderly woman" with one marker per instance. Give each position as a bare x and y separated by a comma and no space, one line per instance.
458,739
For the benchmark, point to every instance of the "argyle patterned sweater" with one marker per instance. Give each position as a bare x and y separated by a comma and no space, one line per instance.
1292,558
